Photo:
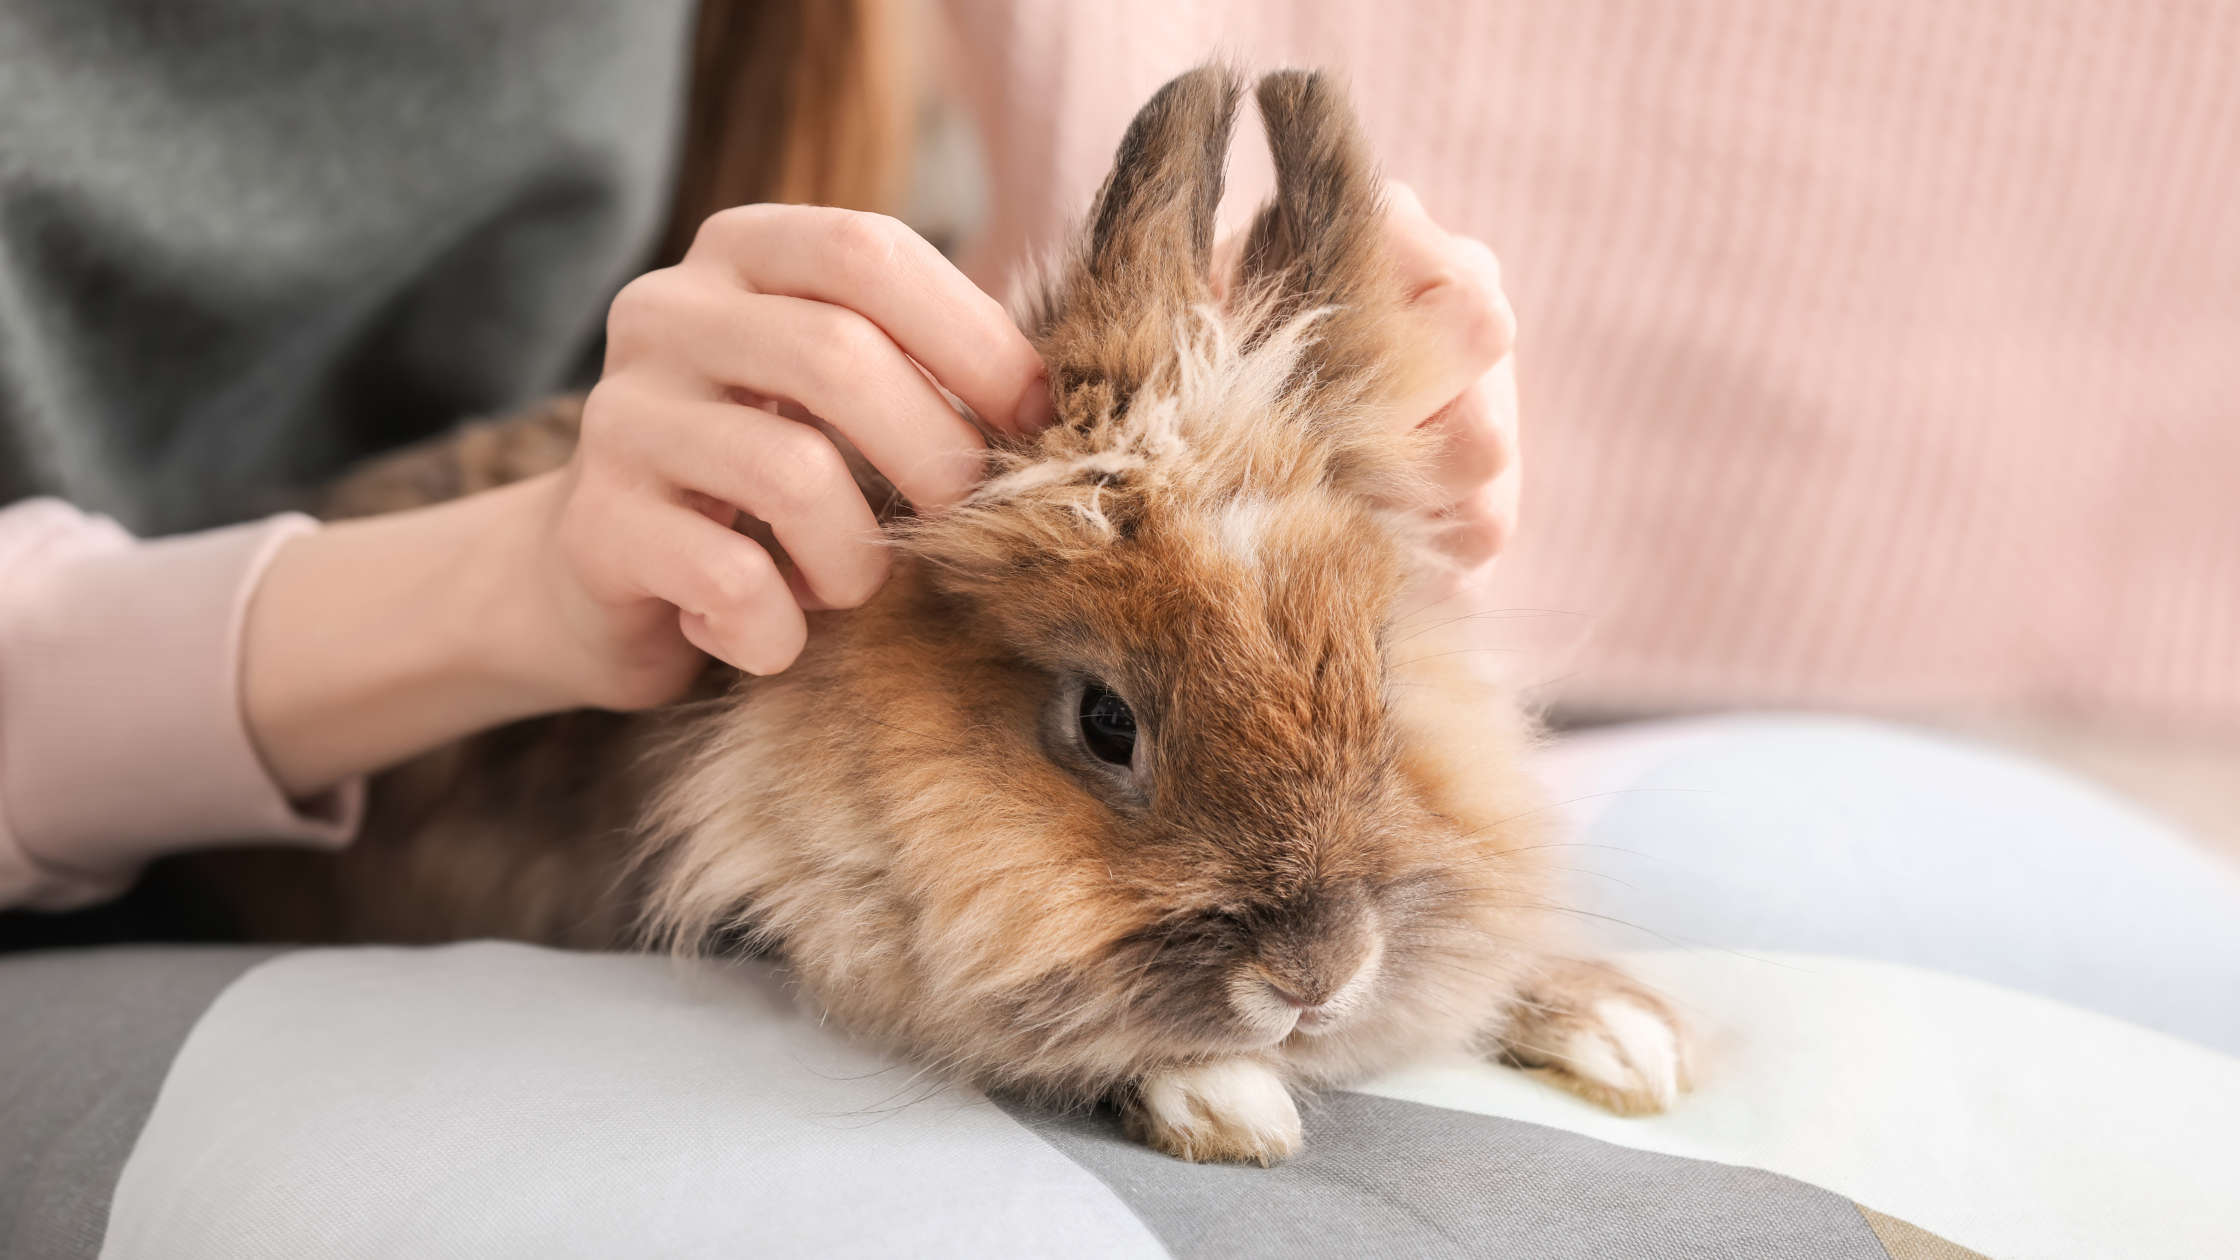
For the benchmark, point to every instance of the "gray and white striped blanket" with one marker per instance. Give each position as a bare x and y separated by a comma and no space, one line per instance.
1952,1005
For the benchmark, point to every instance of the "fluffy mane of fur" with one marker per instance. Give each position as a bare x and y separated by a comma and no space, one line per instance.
1238,415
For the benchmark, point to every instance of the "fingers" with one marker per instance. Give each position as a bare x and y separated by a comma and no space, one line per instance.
850,318
1460,321
784,474
1459,318
1477,435
731,599
830,360
1480,526
874,265
1482,517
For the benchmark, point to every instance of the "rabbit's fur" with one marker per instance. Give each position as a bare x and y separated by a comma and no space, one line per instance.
1323,801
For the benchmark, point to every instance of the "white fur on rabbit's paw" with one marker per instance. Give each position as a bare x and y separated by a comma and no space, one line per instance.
1234,1110
1601,1036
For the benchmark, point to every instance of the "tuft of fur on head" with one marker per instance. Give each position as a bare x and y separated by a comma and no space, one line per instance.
1216,528
1275,391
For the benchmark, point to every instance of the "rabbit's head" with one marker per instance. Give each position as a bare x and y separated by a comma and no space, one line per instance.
1137,759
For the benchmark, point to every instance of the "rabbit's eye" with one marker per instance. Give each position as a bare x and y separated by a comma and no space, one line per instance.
1108,725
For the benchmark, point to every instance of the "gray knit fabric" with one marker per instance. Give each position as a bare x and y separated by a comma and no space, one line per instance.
243,242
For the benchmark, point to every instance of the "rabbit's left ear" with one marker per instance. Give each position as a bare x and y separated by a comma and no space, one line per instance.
1148,261
1319,244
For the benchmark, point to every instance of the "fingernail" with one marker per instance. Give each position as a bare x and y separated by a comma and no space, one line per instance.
1034,409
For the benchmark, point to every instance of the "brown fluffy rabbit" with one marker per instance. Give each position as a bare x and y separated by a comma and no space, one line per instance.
1136,782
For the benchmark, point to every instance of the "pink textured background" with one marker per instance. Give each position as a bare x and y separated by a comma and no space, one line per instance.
1875,355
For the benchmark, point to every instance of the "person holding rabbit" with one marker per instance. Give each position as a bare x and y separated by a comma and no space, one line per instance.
239,682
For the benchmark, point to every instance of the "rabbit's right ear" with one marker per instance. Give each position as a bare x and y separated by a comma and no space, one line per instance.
1148,259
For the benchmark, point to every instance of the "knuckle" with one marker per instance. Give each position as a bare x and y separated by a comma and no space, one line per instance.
738,584
726,231
1504,324
1464,294
1485,443
864,244
1490,525
607,431
840,348
1500,527
1475,544
1480,258
1473,461
798,468
596,426
1501,444
1483,327
636,310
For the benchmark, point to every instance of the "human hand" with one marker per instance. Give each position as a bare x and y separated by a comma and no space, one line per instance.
371,640
1465,392
776,314
1468,397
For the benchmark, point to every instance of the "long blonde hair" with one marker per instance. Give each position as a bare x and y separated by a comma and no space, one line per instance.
797,101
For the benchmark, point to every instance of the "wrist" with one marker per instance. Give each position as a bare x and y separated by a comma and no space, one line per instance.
508,604
371,641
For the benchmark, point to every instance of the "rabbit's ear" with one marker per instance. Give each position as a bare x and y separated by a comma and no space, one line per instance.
1152,230
1148,259
1318,244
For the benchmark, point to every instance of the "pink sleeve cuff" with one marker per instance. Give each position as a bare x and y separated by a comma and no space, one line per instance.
121,734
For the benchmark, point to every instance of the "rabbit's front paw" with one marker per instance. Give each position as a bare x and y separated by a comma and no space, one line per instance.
1602,1036
1235,1110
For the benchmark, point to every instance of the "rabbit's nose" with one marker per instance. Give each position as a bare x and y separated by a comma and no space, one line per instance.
1296,1001
1311,982
1317,946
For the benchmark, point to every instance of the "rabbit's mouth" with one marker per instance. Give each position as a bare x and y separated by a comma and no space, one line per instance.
1278,1003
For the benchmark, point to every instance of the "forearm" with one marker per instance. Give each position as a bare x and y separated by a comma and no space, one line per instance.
371,641
122,733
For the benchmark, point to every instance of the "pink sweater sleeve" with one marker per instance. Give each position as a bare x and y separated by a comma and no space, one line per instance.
121,733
